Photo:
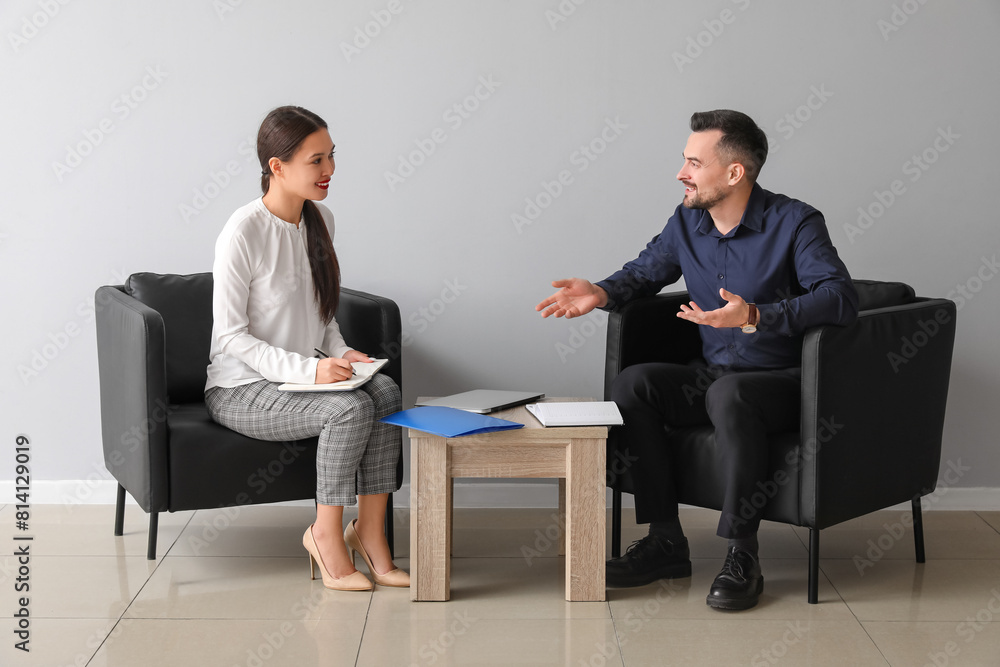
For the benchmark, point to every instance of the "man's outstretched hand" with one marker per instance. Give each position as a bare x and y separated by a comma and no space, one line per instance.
735,313
575,297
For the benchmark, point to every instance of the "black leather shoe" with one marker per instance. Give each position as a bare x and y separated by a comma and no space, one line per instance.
651,558
740,583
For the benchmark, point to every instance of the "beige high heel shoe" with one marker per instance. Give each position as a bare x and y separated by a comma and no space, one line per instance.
355,581
396,577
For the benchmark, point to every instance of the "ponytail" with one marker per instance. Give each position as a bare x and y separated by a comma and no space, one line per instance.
322,262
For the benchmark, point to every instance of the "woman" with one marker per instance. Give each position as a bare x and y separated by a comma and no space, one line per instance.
277,284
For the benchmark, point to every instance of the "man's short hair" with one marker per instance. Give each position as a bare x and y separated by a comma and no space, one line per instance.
742,141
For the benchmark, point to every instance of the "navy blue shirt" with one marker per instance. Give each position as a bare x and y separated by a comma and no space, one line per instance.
779,257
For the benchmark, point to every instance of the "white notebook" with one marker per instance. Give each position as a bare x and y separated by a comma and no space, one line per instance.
577,413
363,372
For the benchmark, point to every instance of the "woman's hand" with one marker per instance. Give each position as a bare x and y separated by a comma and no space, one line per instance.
354,355
333,369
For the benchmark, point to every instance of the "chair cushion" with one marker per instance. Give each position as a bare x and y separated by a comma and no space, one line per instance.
185,304
211,466
873,294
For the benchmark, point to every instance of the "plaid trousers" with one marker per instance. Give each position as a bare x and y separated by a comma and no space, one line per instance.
357,454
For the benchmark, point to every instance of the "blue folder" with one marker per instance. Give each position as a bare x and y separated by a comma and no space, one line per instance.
448,422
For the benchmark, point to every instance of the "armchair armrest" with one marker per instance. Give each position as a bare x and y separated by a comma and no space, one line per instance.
132,364
873,404
648,330
371,324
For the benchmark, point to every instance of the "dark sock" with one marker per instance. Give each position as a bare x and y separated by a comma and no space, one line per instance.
745,543
671,529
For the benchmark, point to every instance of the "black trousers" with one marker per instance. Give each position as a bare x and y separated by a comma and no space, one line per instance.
742,406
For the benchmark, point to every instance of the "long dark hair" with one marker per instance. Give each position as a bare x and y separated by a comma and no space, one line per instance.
280,135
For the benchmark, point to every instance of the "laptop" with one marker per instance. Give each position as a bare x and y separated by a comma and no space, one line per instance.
484,400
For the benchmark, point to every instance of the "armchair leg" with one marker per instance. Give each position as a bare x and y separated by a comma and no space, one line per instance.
918,529
813,565
389,526
120,512
616,523
151,545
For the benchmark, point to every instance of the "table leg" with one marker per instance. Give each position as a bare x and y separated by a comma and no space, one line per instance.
430,520
561,516
585,520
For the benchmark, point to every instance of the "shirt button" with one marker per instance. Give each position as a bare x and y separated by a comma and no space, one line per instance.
732,347
721,276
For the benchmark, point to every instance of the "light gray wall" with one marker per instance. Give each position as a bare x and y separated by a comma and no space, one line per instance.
158,99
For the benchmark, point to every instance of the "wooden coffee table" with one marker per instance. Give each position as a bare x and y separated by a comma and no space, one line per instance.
574,454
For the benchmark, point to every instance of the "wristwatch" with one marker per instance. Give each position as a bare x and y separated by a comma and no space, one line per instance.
751,325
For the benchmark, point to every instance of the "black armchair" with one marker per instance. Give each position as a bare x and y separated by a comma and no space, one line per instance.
153,339
873,406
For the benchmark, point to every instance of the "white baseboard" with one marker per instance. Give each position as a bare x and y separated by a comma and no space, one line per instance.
467,494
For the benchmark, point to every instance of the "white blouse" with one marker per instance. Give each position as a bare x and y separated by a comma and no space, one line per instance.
266,320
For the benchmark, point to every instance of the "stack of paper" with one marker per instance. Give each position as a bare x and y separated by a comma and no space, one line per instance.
579,413
363,372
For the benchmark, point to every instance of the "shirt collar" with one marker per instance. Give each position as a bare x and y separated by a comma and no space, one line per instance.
753,215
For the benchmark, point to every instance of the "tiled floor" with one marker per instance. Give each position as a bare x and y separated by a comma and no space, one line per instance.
231,587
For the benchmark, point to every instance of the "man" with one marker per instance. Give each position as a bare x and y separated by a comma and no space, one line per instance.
760,269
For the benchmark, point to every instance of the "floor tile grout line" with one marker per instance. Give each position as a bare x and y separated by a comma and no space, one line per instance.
614,625
872,639
364,627
149,576
179,532
995,528
127,607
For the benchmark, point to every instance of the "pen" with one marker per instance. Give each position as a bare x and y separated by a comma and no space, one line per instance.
324,355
